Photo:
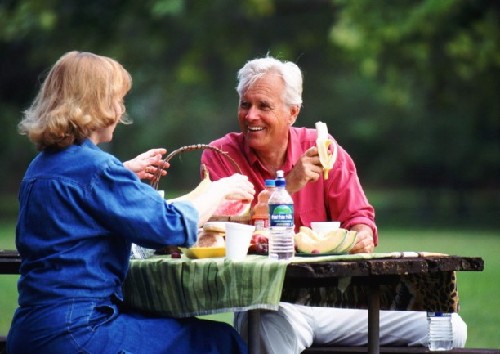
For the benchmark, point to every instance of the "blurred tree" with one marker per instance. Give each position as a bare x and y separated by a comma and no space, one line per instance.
409,88
439,63
183,56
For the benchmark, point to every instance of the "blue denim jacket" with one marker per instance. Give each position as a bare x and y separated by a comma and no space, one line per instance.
80,210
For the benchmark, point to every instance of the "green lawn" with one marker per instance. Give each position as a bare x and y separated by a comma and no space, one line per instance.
479,292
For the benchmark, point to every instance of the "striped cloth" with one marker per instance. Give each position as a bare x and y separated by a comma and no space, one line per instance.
191,287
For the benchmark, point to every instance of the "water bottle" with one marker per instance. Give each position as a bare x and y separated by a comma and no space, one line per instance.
281,224
260,213
440,331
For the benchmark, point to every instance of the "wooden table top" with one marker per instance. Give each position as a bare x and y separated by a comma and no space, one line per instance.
315,273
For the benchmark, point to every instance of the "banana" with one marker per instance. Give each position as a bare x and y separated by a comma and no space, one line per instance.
323,143
201,188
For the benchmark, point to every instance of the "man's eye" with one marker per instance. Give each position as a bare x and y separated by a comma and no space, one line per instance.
265,106
245,105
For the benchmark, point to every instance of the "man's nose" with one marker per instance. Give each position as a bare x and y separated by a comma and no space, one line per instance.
252,113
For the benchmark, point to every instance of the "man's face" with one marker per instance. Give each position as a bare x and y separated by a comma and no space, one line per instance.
263,117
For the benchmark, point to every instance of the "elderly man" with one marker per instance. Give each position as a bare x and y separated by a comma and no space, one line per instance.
270,99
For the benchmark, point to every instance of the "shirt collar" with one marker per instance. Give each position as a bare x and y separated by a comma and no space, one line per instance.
292,154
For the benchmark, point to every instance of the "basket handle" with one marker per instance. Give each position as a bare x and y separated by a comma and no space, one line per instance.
156,180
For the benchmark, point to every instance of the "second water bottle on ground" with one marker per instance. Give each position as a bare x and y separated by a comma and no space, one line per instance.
281,224
440,331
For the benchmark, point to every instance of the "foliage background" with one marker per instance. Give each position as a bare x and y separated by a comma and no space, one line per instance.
409,88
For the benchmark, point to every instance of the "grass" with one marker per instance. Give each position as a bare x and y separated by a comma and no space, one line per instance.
479,292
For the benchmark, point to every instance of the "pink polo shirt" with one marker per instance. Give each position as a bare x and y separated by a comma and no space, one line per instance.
339,198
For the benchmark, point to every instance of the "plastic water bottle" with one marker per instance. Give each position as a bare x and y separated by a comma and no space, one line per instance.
260,214
281,224
440,331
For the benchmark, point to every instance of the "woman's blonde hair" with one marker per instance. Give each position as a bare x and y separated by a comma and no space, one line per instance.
76,98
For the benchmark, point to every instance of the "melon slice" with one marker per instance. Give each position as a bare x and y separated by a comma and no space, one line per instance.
347,243
233,208
310,232
307,242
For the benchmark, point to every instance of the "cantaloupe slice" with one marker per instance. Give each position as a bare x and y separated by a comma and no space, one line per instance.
307,243
310,233
347,243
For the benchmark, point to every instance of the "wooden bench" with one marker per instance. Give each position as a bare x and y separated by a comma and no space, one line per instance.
383,350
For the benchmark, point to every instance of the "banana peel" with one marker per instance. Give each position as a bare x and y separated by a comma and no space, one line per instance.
323,143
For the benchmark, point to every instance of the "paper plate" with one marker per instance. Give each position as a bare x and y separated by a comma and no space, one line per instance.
205,252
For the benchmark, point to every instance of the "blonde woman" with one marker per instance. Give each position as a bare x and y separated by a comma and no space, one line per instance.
80,211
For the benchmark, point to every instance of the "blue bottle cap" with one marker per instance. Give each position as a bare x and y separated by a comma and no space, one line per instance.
270,183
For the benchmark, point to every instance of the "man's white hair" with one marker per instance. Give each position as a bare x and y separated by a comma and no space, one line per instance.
289,71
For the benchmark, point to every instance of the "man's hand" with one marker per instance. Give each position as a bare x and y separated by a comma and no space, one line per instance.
307,169
148,164
364,239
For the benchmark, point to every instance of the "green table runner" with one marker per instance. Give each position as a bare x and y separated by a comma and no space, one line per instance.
191,287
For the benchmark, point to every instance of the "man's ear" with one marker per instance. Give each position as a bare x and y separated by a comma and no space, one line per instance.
294,113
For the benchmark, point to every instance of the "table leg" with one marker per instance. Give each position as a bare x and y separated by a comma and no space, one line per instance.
374,320
254,331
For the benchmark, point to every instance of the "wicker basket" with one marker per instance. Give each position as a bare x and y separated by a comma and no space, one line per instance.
244,219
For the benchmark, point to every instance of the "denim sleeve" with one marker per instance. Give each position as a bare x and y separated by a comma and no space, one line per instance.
135,211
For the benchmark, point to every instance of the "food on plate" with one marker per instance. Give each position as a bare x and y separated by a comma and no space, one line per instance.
323,143
215,226
259,244
210,239
336,241
211,235
233,208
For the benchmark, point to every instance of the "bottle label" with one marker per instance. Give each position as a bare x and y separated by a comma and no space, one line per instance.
281,215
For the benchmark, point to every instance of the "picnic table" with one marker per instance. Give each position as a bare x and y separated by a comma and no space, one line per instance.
186,287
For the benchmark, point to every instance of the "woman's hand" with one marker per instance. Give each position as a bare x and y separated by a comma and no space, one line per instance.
236,187
364,239
307,169
148,164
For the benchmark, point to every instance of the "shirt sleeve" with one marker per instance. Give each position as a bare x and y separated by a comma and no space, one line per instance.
134,210
346,198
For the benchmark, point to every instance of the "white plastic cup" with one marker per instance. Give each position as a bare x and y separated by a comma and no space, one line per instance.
323,227
238,237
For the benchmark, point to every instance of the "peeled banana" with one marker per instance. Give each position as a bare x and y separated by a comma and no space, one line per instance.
323,143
